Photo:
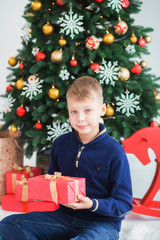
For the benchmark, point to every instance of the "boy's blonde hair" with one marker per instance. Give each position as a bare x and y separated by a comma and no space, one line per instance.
84,88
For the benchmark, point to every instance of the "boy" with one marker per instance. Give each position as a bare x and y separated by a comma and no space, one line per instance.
88,152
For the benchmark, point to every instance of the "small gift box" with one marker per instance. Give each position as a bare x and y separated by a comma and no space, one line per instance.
17,173
9,203
60,189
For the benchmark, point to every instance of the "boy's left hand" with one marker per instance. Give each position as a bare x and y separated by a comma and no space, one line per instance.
83,203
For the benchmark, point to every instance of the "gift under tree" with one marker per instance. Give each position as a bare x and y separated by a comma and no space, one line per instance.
65,39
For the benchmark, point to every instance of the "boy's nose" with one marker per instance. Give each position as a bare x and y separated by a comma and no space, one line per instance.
81,116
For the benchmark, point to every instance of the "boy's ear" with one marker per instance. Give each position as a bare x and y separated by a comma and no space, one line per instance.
103,109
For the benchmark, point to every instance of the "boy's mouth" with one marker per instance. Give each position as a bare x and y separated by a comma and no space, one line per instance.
82,127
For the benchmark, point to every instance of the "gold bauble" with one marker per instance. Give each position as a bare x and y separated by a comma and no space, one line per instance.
143,64
109,111
62,42
48,29
108,38
56,56
147,39
53,93
133,38
36,5
12,61
124,74
13,129
19,84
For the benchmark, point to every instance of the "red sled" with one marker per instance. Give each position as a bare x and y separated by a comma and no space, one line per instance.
138,145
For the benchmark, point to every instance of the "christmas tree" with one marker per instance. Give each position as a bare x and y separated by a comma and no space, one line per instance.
66,39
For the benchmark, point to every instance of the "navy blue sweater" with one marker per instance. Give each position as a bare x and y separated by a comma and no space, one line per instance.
104,165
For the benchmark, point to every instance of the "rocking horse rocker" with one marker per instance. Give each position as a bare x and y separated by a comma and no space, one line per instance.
138,145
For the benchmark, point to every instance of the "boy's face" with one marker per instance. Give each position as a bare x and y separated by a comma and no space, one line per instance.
84,116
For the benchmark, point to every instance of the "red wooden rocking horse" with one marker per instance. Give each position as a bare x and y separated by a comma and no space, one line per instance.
138,145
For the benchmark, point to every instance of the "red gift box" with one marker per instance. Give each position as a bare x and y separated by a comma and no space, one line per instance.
9,203
59,189
21,193
17,173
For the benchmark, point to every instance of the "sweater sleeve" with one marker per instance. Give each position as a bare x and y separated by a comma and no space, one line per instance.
53,165
119,202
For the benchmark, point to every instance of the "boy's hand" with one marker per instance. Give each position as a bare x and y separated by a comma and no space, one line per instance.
83,203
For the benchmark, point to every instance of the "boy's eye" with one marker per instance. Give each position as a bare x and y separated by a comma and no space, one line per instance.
88,110
73,112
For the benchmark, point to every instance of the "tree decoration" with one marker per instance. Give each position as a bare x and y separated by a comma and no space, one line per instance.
108,38
115,5
21,65
36,5
32,87
71,23
125,3
147,38
53,93
154,124
12,61
141,42
35,50
19,84
109,111
73,62
26,32
48,29
38,125
9,88
123,74
62,42
133,38
128,103
92,43
21,111
64,74
60,2
8,104
136,69
98,1
143,64
56,56
108,73
94,66
121,27
13,129
130,49
40,56
57,129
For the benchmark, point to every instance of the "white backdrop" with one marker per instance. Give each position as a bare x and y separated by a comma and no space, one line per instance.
11,32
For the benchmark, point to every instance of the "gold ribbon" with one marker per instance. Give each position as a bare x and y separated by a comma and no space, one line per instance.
24,182
53,188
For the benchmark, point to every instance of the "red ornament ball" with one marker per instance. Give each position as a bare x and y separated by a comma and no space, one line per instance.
73,63
98,1
40,56
95,66
9,88
38,126
154,124
21,66
125,3
21,111
121,27
141,42
92,43
60,2
137,69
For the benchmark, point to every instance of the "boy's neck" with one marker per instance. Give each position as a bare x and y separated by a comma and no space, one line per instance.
86,139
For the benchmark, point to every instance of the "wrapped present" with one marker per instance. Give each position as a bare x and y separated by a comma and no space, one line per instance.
21,193
9,203
17,173
11,152
60,189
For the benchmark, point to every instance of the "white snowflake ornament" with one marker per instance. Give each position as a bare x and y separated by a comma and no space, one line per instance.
128,103
116,5
32,87
71,24
64,74
27,32
130,49
57,130
35,50
108,72
7,104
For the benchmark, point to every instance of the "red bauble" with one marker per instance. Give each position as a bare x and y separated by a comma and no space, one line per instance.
21,66
154,124
125,3
9,88
94,66
40,56
60,2
73,63
38,126
98,1
141,42
137,69
21,111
